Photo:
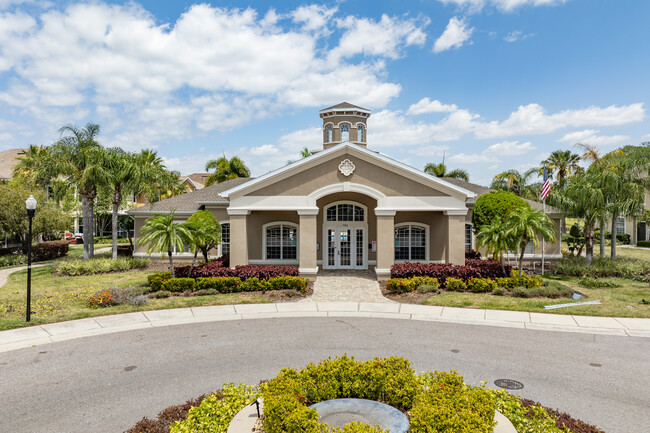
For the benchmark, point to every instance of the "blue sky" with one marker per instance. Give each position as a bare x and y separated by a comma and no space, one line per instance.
491,84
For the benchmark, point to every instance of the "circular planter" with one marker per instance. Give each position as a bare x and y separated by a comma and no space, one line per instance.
341,411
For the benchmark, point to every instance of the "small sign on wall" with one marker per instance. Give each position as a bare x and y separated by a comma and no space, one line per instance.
374,246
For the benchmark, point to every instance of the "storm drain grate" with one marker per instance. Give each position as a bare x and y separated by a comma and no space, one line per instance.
508,384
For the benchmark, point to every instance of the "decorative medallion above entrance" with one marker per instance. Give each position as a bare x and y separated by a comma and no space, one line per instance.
346,167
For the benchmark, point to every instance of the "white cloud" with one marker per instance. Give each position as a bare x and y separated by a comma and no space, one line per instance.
510,148
473,158
425,105
384,38
428,151
517,35
532,119
646,137
503,5
454,36
314,18
295,141
590,136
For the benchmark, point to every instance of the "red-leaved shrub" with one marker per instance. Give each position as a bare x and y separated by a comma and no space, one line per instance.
441,271
219,268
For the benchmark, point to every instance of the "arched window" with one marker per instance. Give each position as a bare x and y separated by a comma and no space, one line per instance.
328,134
410,242
360,136
345,212
225,238
281,241
345,132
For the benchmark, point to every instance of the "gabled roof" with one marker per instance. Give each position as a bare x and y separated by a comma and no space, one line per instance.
191,201
8,160
198,179
344,106
301,164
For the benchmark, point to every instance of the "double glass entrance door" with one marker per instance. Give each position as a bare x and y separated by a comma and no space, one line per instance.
345,248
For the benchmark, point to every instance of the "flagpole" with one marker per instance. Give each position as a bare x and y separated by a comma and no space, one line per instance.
543,247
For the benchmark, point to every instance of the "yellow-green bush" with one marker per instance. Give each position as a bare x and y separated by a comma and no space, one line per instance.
216,411
156,280
481,285
288,283
455,285
446,404
521,417
176,285
404,285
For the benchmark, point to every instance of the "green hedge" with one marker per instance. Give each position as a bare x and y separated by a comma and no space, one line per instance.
456,406
99,266
644,244
404,285
164,281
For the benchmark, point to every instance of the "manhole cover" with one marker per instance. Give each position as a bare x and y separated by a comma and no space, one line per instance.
508,384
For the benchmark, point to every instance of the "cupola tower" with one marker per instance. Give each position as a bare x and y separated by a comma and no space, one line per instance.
344,122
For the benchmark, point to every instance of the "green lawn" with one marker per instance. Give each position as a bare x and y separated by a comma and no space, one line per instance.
621,301
56,299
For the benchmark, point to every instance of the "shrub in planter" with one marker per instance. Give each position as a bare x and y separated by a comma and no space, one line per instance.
498,291
455,285
427,288
156,281
49,250
12,260
448,405
481,285
644,244
178,285
520,292
506,283
472,254
288,283
253,285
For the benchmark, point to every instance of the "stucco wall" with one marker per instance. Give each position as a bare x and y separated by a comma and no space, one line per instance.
254,223
327,173
437,230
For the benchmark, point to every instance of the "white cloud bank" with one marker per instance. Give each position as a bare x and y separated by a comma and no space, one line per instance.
454,36
503,5
590,136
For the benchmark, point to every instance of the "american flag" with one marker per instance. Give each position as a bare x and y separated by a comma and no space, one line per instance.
546,187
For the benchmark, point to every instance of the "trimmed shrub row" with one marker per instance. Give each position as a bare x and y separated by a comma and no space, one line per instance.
625,268
644,244
473,268
99,266
40,252
217,268
163,281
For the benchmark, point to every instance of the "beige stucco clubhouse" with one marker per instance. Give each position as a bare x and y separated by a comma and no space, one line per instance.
344,207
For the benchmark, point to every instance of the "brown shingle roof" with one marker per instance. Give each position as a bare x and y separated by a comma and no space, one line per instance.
8,160
480,190
199,178
189,202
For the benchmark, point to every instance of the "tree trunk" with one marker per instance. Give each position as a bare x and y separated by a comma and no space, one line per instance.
117,199
613,246
196,253
521,256
205,255
503,266
602,238
589,244
171,262
91,217
87,225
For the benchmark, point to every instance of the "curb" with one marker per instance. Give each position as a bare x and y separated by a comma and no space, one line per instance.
53,332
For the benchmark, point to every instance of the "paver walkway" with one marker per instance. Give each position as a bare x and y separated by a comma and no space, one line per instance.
346,286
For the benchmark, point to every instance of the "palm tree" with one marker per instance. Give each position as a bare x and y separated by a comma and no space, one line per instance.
226,169
121,171
496,239
205,233
591,153
162,234
80,158
440,170
36,166
517,182
583,198
562,163
305,152
526,225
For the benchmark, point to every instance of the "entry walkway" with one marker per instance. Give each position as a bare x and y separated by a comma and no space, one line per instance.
346,286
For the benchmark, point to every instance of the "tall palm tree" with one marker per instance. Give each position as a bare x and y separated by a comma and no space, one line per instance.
80,158
592,153
526,225
440,170
121,173
517,182
162,234
561,163
226,169
583,198
496,239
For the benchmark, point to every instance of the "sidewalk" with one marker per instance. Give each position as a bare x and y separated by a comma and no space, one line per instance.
53,332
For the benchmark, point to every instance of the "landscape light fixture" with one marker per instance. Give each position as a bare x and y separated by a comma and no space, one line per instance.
30,203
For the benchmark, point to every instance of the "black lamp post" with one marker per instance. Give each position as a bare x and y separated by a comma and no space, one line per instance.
30,203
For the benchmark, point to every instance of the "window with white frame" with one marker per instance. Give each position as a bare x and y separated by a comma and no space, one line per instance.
328,134
281,242
360,131
410,242
345,212
468,237
345,132
620,225
225,238
530,248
